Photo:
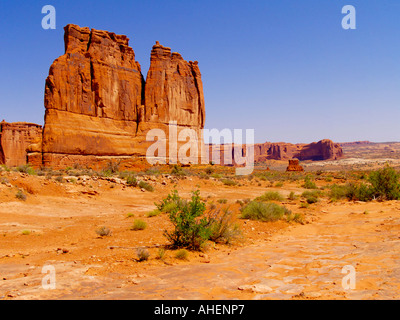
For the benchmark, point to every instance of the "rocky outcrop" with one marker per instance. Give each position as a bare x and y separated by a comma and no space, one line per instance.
294,166
98,104
322,150
16,140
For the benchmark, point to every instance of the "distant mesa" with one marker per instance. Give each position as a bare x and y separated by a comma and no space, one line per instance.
98,106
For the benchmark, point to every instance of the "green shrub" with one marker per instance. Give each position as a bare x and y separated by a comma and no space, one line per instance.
20,195
229,182
385,184
26,169
146,186
182,254
139,225
270,196
222,201
292,196
338,192
308,183
264,211
191,227
131,180
154,213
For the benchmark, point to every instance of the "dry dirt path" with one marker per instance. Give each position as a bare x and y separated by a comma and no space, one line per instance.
300,262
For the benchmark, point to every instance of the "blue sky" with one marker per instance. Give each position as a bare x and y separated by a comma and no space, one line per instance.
285,68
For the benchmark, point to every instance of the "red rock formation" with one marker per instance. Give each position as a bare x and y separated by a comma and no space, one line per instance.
97,103
174,90
322,150
16,139
294,166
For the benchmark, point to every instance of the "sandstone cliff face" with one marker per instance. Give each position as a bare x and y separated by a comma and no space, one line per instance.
174,90
16,139
97,103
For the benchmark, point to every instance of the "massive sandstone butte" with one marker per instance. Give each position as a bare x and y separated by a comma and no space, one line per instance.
16,139
98,104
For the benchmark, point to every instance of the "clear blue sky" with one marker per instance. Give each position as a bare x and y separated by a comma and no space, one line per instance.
285,68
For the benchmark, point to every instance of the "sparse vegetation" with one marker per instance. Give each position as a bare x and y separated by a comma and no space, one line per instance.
270,196
154,213
308,183
26,232
182,254
262,211
20,195
229,182
143,254
26,169
292,196
104,232
146,186
139,225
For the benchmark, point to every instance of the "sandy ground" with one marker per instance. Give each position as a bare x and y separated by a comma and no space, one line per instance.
277,260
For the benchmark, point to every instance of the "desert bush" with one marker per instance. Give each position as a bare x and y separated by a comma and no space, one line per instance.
104,232
385,184
182,254
270,196
223,228
20,195
338,192
161,254
131,180
153,171
295,217
139,225
59,179
193,227
112,167
190,225
146,186
308,183
26,232
311,196
154,213
143,254
292,196
229,182
26,169
171,203
222,201
262,211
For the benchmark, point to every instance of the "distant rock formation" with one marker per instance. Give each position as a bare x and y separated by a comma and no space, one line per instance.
98,104
16,139
294,166
322,150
